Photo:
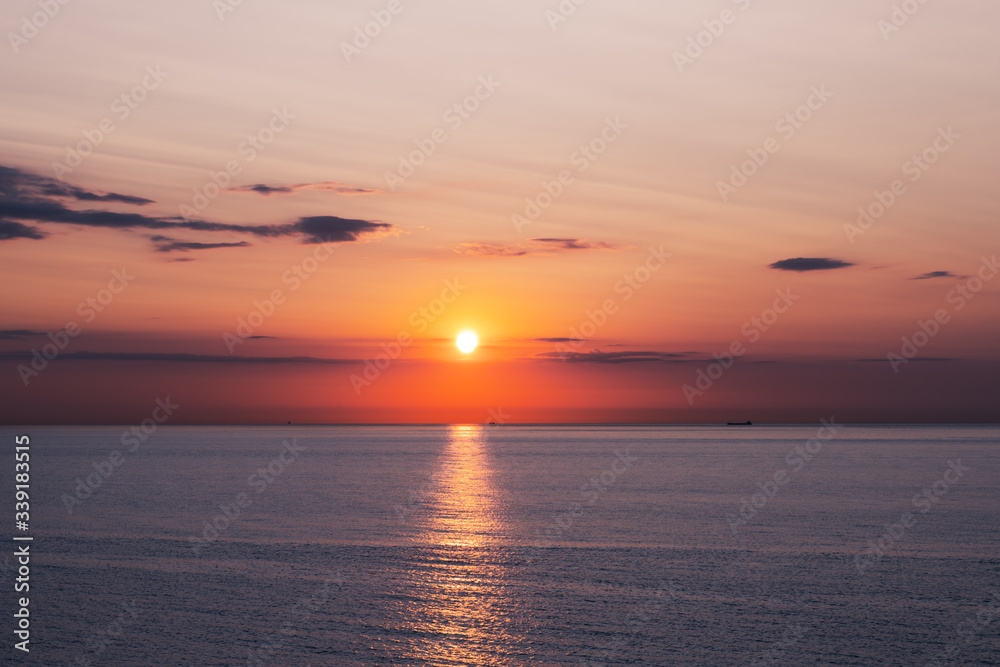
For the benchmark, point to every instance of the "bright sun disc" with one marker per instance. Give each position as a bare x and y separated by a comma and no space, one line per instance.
467,341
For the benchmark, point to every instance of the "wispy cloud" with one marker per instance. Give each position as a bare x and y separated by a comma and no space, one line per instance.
542,246
574,244
326,186
491,250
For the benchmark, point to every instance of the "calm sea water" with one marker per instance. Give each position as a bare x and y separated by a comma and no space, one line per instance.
513,545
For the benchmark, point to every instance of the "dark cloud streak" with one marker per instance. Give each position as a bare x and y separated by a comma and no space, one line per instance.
598,357
15,182
184,357
15,230
34,198
18,334
185,246
936,274
801,264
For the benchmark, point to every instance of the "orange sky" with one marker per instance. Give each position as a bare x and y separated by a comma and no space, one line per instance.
544,174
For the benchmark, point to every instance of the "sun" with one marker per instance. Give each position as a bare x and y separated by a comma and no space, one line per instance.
467,341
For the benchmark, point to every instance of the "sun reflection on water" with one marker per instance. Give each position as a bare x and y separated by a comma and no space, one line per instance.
459,600
463,513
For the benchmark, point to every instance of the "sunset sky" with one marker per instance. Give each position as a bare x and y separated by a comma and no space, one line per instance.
609,197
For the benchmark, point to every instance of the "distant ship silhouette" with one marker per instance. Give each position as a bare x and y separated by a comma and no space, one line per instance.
746,423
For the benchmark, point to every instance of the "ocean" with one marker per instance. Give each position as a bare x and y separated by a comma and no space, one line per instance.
814,544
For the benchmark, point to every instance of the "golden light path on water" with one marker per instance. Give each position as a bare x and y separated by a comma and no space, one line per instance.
460,599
